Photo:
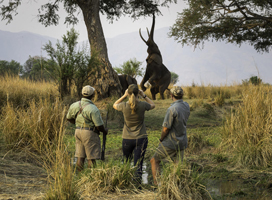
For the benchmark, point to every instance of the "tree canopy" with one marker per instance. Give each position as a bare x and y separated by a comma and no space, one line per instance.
174,78
237,22
105,79
130,67
10,68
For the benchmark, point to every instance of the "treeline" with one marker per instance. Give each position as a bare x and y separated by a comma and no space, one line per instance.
67,65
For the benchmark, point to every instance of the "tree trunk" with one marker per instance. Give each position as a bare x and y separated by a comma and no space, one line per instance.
104,79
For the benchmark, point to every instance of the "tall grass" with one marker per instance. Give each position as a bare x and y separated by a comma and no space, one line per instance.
33,128
39,130
248,132
60,170
178,182
211,92
106,178
20,92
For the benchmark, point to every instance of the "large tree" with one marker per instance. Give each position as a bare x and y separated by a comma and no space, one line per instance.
105,80
232,20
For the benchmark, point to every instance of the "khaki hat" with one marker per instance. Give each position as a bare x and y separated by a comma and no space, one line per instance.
87,91
177,91
133,88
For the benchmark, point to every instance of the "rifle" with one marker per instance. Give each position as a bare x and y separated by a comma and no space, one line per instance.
104,140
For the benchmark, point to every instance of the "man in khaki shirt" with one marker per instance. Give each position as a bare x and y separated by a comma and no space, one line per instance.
86,116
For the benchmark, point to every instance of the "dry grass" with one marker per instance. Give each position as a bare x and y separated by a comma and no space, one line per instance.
178,182
33,128
39,130
108,178
20,92
211,92
248,131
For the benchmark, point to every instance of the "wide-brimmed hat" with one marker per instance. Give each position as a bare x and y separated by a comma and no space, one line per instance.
87,91
177,91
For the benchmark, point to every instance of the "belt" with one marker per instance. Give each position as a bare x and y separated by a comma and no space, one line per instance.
86,128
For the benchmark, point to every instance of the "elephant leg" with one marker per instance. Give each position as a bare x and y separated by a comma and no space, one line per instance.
144,81
153,91
163,84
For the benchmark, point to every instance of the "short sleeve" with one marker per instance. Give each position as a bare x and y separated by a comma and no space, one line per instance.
168,119
96,118
147,106
71,114
120,106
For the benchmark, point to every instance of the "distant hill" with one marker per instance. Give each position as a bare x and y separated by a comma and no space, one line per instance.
218,63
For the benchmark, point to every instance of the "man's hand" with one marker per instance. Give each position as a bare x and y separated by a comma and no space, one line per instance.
73,121
102,129
141,93
164,133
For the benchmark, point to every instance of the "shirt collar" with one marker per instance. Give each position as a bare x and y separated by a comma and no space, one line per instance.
86,100
177,101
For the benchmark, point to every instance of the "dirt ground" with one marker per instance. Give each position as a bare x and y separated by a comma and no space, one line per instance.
19,179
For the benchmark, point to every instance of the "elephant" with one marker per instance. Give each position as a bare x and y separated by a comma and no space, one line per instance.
125,81
156,73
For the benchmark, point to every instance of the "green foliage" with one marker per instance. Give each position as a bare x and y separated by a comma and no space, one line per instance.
70,66
255,80
10,68
244,21
37,69
130,67
174,78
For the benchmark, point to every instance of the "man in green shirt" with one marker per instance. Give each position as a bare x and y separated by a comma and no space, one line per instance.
86,116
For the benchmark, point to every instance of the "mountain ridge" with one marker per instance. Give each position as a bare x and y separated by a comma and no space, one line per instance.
218,63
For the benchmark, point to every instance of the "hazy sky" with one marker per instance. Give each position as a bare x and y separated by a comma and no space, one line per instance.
26,20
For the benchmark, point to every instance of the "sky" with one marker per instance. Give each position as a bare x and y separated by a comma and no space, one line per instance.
27,20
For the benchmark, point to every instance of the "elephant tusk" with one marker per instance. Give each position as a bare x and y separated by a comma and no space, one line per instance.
148,32
142,36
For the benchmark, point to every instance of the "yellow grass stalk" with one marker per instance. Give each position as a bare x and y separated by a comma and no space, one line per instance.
20,92
178,182
248,131
107,178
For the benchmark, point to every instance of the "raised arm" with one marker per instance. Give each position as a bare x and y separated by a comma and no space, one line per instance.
147,99
120,100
